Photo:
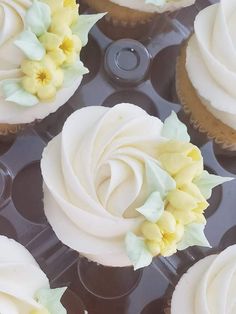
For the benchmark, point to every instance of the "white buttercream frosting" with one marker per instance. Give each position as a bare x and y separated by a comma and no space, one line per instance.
208,287
20,279
12,17
94,179
211,60
159,6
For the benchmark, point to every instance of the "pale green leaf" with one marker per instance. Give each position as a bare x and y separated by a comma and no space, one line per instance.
174,129
153,208
84,25
14,92
158,179
28,42
51,300
38,17
71,73
206,182
137,251
193,235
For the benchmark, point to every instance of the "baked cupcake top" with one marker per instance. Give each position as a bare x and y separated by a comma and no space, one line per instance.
40,68
153,6
210,60
121,187
208,287
24,288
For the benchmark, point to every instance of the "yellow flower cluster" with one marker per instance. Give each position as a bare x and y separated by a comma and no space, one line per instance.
43,78
184,205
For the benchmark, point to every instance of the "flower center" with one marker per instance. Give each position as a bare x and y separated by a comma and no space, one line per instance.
43,77
67,46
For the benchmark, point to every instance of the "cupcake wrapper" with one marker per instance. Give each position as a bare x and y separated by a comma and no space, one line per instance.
200,117
11,129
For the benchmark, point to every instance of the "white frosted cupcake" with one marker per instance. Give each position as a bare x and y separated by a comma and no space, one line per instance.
121,187
24,288
206,73
208,287
40,68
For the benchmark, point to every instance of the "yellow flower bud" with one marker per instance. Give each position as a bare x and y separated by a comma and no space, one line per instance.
151,231
188,173
167,222
174,162
181,200
50,41
184,217
57,56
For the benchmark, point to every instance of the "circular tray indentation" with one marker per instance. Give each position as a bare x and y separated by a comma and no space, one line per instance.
107,282
215,198
6,144
163,73
91,58
127,61
229,238
27,193
154,307
226,159
133,97
5,185
7,229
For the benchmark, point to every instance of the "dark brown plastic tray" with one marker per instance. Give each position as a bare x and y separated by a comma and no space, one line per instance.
140,72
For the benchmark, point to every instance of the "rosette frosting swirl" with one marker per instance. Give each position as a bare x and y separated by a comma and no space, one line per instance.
152,6
118,190
211,56
208,287
20,279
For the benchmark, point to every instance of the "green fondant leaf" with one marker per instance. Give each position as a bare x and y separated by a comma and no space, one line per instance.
174,129
193,235
153,207
206,182
84,25
137,251
30,45
14,92
73,72
51,300
38,17
158,179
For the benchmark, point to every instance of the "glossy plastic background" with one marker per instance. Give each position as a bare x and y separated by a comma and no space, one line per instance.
126,71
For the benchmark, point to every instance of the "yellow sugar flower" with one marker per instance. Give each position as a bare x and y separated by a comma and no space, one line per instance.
42,78
162,237
62,49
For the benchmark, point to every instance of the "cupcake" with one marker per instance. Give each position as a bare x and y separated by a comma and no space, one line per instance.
208,286
40,68
134,13
24,288
206,73
121,187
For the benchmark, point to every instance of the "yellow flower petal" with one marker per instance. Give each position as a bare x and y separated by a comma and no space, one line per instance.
71,58
174,162
50,41
179,232
168,249
49,63
57,56
181,200
64,14
151,231
30,67
29,84
167,222
173,146
193,190
184,217
40,311
58,78
153,247
195,153
46,92
199,218
188,173
60,29
77,43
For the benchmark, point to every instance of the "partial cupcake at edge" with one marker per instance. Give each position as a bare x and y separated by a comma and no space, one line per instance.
206,73
135,12
40,67
24,287
121,187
